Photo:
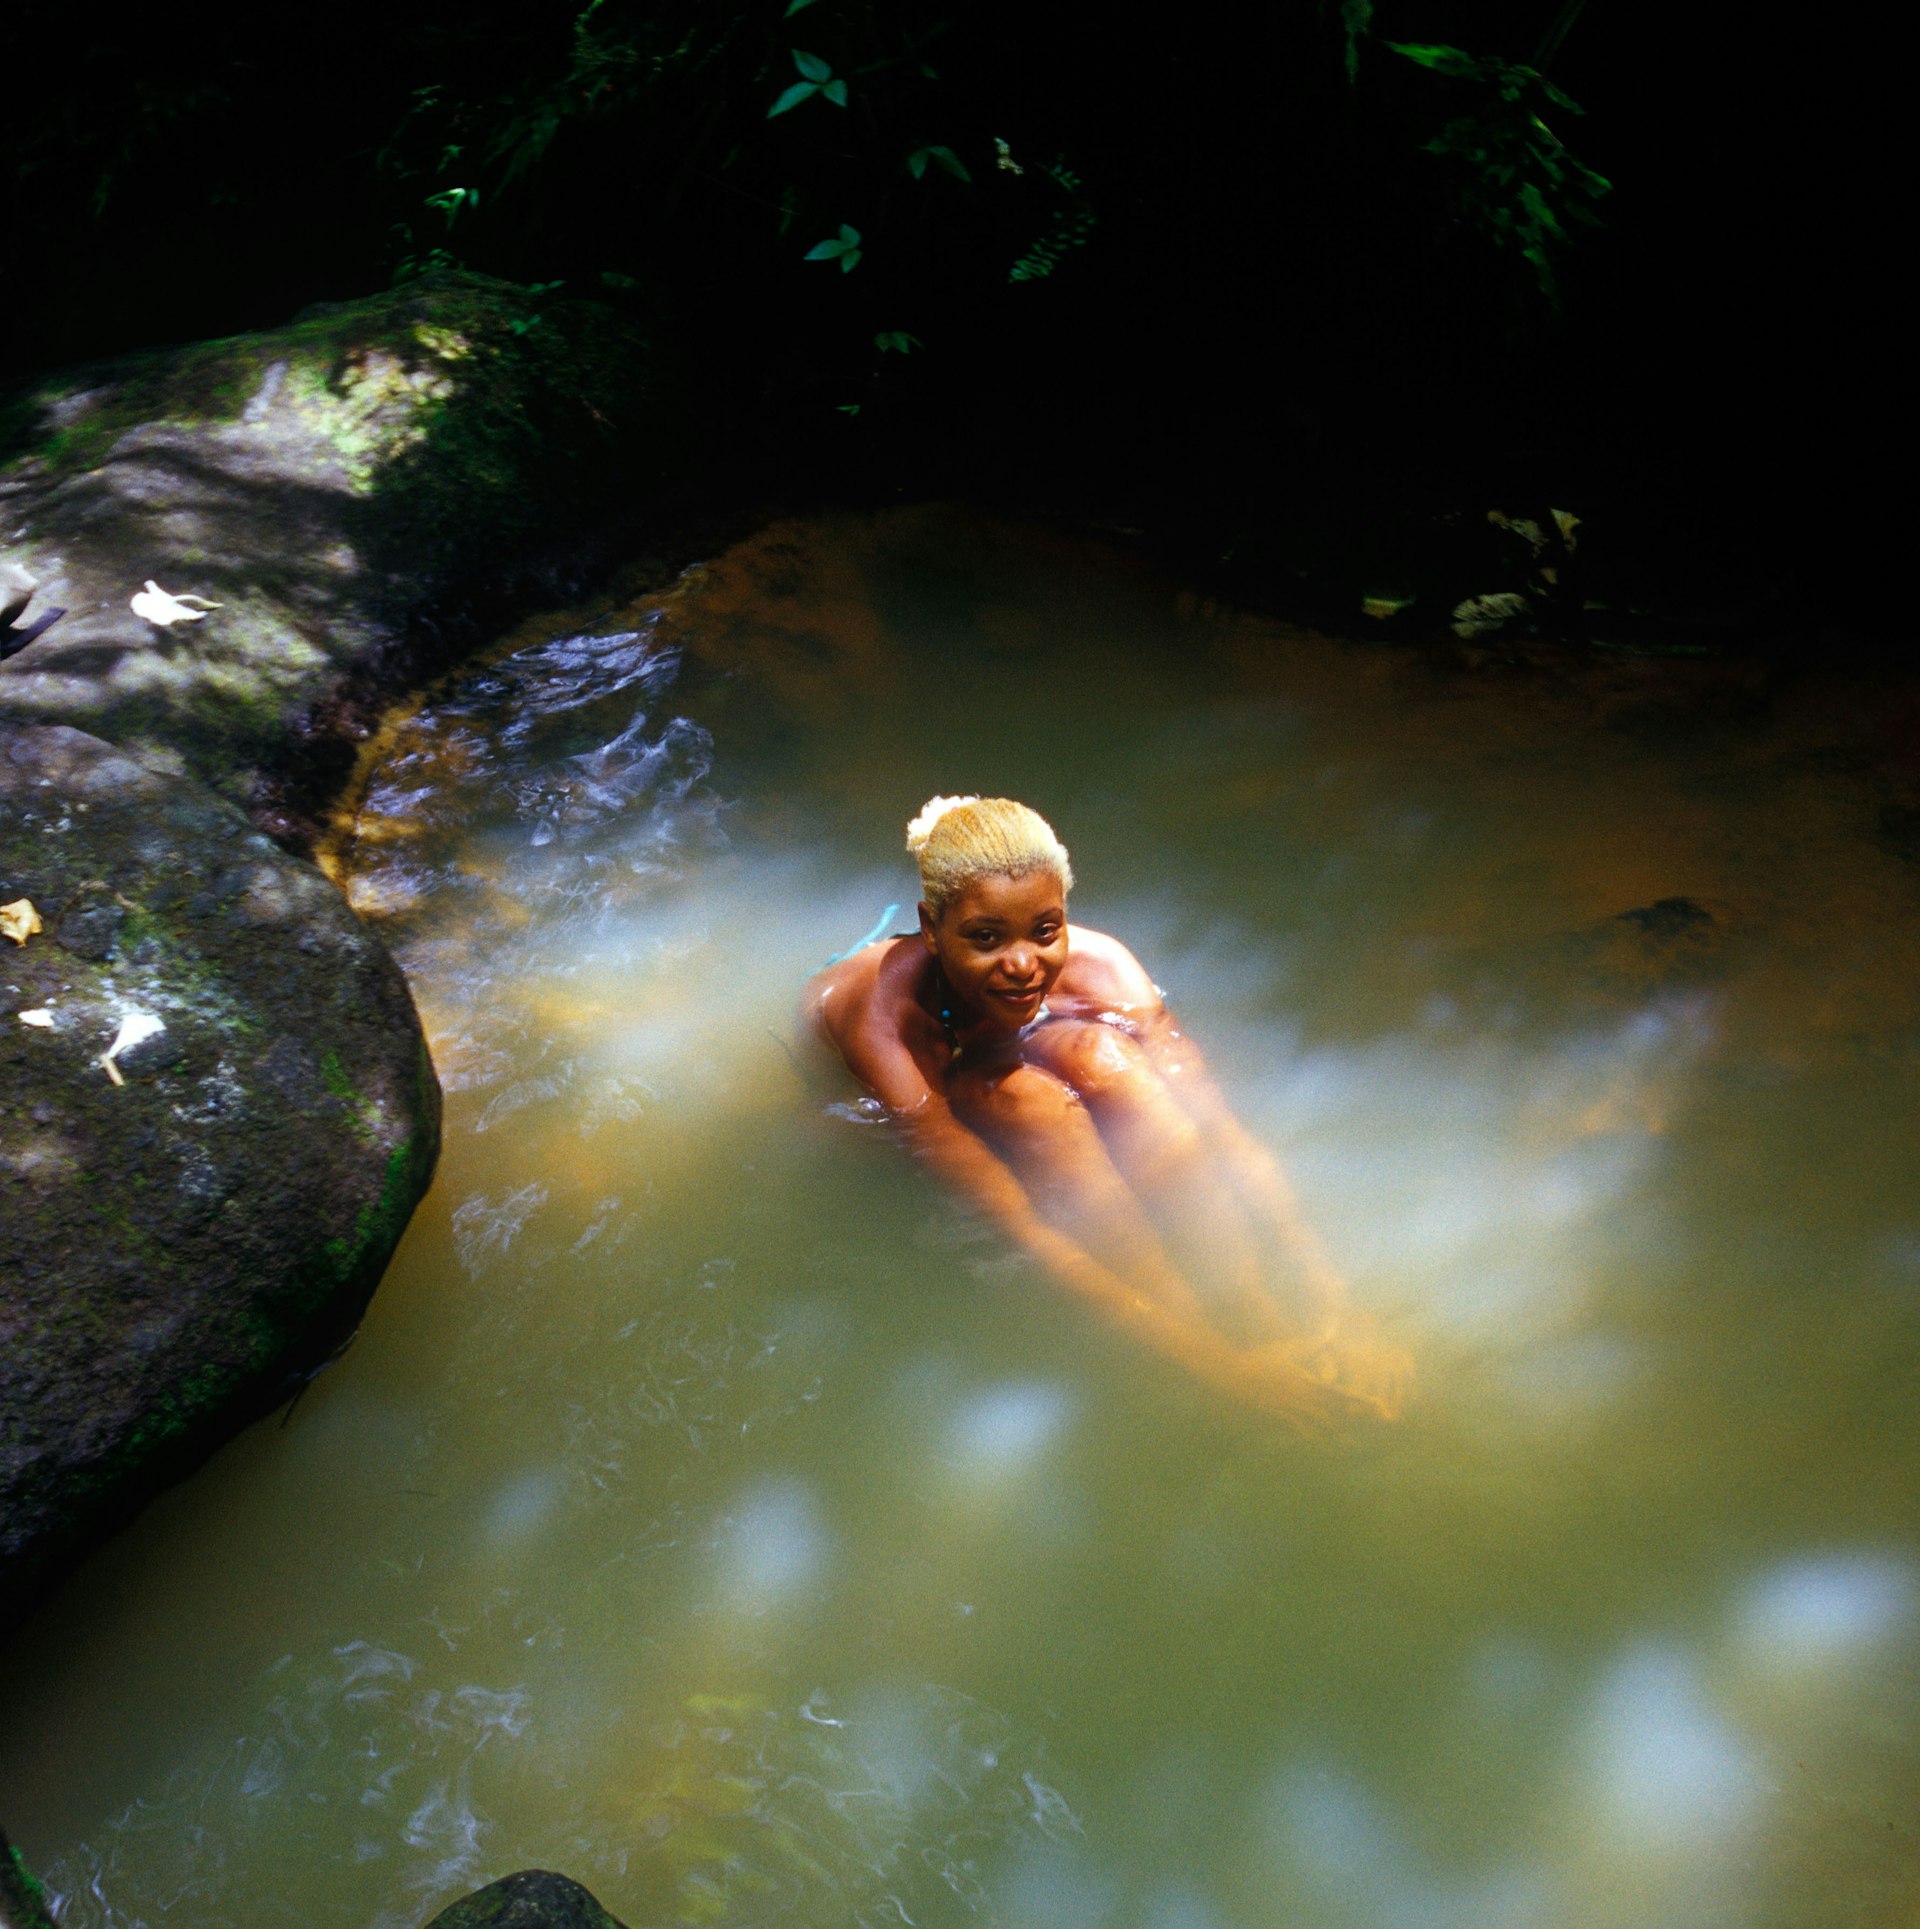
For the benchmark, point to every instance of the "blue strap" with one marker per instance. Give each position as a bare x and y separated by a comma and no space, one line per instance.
881,926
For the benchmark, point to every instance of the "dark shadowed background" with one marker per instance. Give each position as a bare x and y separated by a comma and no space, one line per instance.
1257,308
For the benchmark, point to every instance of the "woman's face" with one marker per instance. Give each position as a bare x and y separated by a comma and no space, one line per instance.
1001,942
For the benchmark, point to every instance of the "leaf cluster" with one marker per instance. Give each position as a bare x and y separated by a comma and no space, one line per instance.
1072,226
1516,180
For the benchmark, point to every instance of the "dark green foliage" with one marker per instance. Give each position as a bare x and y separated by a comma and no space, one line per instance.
1282,277
23,1901
1356,16
699,133
843,248
1516,180
691,151
1072,227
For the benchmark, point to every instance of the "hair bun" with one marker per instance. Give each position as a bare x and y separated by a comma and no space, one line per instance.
931,812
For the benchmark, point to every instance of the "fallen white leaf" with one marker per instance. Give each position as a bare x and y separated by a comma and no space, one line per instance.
135,1026
160,606
42,1019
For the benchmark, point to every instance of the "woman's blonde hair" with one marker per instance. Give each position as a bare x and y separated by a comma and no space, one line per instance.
957,839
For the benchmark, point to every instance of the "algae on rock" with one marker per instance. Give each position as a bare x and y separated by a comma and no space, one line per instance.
531,1899
326,484
193,1239
204,1213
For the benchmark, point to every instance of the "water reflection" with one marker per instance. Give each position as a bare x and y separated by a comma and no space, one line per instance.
1667,1776
1819,1613
772,1546
708,1510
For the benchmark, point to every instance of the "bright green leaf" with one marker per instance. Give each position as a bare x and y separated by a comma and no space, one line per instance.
835,91
792,97
849,261
812,67
795,6
1443,60
843,248
917,162
848,408
949,160
1535,204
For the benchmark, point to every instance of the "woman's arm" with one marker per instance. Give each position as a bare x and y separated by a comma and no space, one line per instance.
972,1170
902,1073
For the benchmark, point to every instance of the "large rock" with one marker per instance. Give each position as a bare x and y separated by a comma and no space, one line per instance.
330,497
183,1245
329,485
533,1899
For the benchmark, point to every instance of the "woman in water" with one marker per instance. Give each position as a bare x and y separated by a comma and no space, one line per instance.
1035,1067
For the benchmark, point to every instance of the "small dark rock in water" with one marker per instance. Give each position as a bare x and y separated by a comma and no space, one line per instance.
1673,941
1670,918
532,1899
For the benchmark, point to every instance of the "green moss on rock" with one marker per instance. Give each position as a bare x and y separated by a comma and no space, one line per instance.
324,484
207,1232
532,1899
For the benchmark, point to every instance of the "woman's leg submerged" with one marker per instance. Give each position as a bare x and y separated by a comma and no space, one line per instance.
1166,1160
1040,1126
1224,1206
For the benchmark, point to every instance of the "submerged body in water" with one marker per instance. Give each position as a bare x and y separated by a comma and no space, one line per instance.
1034,1065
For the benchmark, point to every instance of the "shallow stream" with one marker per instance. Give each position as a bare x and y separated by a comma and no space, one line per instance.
709,1511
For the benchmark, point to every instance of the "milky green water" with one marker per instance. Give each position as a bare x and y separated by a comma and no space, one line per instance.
709,1511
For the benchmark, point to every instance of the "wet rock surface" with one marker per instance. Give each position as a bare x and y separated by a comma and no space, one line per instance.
532,1899
313,505
216,1114
216,1109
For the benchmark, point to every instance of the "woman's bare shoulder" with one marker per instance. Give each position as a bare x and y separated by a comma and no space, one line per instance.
876,988
1101,970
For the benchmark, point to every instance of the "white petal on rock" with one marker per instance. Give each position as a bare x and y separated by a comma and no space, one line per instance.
163,608
135,1026
41,1020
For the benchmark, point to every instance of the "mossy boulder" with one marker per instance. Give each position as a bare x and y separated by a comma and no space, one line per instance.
330,486
533,1899
195,1225
331,509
